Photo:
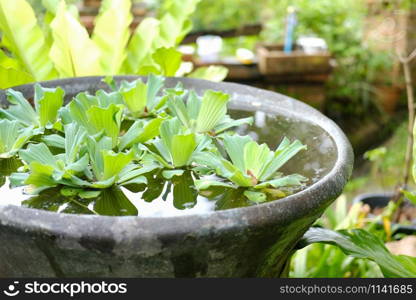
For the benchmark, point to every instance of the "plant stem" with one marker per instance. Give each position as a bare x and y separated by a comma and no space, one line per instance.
411,109
397,197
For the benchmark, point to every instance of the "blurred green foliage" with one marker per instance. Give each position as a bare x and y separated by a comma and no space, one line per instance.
319,260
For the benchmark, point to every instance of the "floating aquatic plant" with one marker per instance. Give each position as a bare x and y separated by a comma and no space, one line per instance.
141,137
252,166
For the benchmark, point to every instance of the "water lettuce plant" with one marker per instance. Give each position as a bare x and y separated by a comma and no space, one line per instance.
141,137
56,45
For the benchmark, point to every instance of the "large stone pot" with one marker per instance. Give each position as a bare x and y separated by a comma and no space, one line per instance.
242,242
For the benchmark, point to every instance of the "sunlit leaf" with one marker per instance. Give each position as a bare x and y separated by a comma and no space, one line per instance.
25,39
281,156
106,119
73,52
113,163
213,109
234,145
47,103
142,45
11,77
168,60
111,34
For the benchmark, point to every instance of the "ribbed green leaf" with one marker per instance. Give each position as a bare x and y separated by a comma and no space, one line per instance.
169,174
38,153
76,111
256,158
107,120
106,99
47,103
234,145
228,123
178,109
134,95
20,109
40,176
175,22
19,27
12,137
73,52
54,140
193,105
74,139
114,163
111,34
213,110
140,132
168,130
182,147
95,149
154,84
282,156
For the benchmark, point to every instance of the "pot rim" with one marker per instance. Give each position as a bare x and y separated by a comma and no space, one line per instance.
305,202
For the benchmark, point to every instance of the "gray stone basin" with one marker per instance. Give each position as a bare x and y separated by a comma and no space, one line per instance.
253,241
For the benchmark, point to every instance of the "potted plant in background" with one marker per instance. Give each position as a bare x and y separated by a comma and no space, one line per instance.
402,205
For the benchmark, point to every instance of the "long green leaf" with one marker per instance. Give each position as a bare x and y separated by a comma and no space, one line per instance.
234,145
282,156
11,77
19,27
111,34
362,244
73,52
141,45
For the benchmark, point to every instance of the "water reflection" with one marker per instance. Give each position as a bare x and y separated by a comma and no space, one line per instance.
162,198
